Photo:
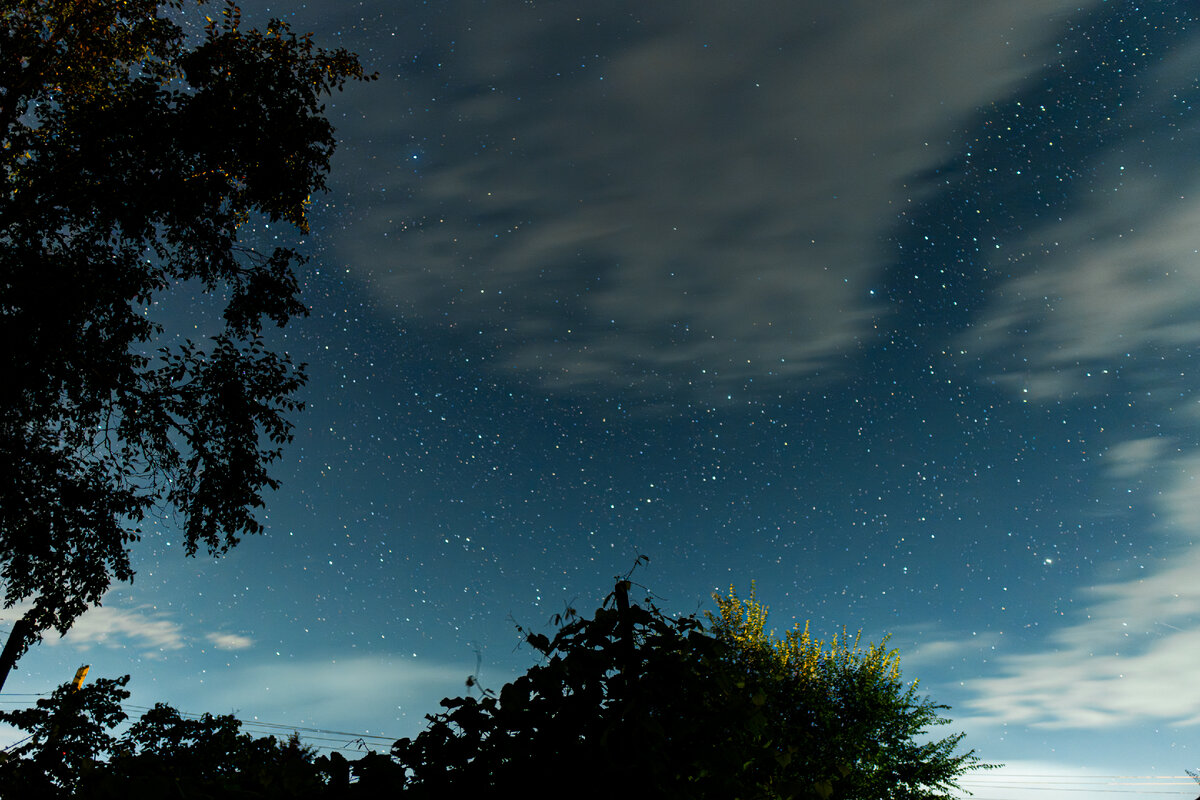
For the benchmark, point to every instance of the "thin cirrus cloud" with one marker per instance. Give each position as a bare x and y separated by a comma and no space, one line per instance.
148,631
1101,303
382,694
700,207
1126,653
140,628
1108,290
1117,668
229,641
1135,457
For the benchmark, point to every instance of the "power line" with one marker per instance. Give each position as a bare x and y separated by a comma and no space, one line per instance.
277,725
1019,782
346,738
1090,776
1103,784
1090,780
1036,788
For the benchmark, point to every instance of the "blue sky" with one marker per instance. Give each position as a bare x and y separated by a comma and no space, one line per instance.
889,308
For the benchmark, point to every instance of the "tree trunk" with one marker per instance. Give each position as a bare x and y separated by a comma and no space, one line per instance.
15,644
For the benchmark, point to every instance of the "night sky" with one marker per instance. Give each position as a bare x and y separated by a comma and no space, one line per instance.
891,308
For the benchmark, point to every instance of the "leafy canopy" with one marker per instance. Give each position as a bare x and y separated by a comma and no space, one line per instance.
132,160
627,703
634,702
68,737
844,710
71,752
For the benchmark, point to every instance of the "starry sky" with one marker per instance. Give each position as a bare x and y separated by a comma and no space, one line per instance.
888,307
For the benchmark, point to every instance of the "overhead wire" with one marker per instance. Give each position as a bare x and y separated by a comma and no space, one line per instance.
998,787
262,724
307,734
978,783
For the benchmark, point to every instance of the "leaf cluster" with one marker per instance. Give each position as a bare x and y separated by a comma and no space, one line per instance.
71,753
631,701
842,721
131,162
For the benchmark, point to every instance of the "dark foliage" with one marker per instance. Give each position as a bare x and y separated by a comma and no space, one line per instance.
629,703
72,754
68,738
632,703
130,163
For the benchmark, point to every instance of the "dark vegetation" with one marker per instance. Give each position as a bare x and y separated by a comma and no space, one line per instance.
629,702
132,163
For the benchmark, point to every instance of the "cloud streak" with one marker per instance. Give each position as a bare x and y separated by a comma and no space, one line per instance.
1107,292
369,694
143,628
229,641
1128,655
1101,303
701,209
1112,293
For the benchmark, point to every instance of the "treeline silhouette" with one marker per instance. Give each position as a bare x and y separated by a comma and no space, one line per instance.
629,702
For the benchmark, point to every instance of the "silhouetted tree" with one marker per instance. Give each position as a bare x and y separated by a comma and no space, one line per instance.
131,163
68,738
627,703
71,753
632,703
841,722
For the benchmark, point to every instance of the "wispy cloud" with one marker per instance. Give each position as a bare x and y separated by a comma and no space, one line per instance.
1111,296
370,694
701,209
1102,302
229,641
921,649
146,629
1135,457
1127,655
143,628
1102,299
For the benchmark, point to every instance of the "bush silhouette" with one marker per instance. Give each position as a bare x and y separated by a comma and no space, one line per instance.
633,702
627,703
71,753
